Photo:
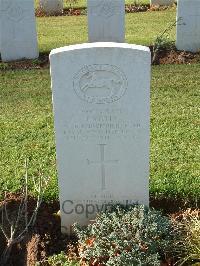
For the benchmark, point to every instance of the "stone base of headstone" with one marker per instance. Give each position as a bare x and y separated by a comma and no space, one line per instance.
51,7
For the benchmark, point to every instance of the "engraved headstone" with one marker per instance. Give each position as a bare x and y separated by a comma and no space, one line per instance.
18,30
101,112
51,7
162,2
106,20
188,25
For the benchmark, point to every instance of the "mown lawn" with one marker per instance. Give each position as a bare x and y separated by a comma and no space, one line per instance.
26,125
26,130
141,28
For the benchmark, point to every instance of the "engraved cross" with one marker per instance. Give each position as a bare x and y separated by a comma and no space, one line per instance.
102,163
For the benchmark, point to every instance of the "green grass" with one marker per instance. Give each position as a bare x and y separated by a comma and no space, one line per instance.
26,130
26,127
175,135
141,28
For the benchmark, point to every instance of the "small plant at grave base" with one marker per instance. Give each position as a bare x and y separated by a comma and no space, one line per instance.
134,236
163,42
187,246
36,61
16,228
61,260
3,66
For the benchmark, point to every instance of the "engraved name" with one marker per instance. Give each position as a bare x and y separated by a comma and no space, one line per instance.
101,125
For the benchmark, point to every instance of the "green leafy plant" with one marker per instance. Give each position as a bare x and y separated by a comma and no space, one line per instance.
133,236
3,66
36,61
61,260
163,41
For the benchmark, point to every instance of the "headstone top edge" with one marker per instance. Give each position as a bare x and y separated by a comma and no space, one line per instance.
99,45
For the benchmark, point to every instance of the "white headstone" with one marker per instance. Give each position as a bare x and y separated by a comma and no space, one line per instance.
162,2
106,20
188,25
52,6
18,30
101,111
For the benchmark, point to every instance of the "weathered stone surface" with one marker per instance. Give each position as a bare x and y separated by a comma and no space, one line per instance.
188,26
52,7
18,30
106,20
101,111
162,2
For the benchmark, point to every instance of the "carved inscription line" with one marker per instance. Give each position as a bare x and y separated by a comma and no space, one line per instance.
102,130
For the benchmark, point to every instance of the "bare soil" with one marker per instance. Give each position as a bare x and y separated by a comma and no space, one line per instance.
45,238
163,57
174,56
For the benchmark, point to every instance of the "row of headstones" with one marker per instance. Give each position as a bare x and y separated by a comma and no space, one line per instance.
101,98
57,6
18,37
